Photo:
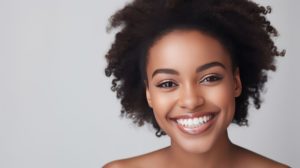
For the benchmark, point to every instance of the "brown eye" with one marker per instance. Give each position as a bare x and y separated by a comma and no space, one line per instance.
211,79
168,84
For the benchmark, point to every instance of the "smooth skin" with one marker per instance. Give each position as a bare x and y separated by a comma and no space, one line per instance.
189,72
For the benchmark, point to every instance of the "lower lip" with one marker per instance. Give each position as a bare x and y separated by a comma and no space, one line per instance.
196,130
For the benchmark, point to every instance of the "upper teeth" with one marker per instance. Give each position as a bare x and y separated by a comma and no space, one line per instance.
194,122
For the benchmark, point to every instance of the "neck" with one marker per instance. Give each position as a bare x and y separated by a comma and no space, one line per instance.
218,156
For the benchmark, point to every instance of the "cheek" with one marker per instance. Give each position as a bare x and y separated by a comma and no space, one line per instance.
162,103
223,98
221,95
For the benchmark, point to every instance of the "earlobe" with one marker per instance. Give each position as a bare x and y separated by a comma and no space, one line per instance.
238,83
148,95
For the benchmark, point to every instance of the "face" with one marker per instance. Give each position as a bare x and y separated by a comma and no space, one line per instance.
191,88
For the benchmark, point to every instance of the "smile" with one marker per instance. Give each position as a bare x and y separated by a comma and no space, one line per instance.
194,122
195,125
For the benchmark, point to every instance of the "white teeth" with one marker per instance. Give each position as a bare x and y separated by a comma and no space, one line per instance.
194,122
201,120
190,122
205,118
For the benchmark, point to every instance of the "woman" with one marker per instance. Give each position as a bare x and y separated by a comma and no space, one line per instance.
189,67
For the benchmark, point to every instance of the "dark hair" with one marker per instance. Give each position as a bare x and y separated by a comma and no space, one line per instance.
240,25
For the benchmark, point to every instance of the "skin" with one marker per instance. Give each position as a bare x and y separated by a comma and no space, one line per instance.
191,73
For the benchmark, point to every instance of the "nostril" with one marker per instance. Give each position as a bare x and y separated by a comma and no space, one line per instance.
190,97
191,102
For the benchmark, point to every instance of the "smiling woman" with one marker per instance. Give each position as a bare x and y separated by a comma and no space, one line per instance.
189,68
195,103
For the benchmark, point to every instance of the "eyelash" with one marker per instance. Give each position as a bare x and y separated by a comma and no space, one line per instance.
161,85
211,78
207,80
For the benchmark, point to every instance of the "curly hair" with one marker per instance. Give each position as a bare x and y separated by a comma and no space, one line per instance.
240,25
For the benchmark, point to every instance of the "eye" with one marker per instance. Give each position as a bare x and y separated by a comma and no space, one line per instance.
167,84
211,79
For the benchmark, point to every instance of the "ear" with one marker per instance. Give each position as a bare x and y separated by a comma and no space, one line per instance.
237,83
148,96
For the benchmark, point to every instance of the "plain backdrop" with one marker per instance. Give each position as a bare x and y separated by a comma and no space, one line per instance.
56,107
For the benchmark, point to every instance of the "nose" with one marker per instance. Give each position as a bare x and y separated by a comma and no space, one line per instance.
190,98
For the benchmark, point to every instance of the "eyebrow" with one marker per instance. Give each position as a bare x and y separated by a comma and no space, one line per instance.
199,69
209,65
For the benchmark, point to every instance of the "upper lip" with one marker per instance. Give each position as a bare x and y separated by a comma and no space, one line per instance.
193,115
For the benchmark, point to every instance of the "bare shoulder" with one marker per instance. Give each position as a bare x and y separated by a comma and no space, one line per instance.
152,159
114,164
250,159
124,163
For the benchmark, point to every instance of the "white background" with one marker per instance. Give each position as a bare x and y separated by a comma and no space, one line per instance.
56,107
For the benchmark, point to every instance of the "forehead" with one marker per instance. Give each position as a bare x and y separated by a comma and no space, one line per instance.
186,48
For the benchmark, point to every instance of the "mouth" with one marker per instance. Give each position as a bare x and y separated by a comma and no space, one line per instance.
195,125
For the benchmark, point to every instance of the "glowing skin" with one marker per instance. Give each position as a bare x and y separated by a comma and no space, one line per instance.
190,74
192,88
